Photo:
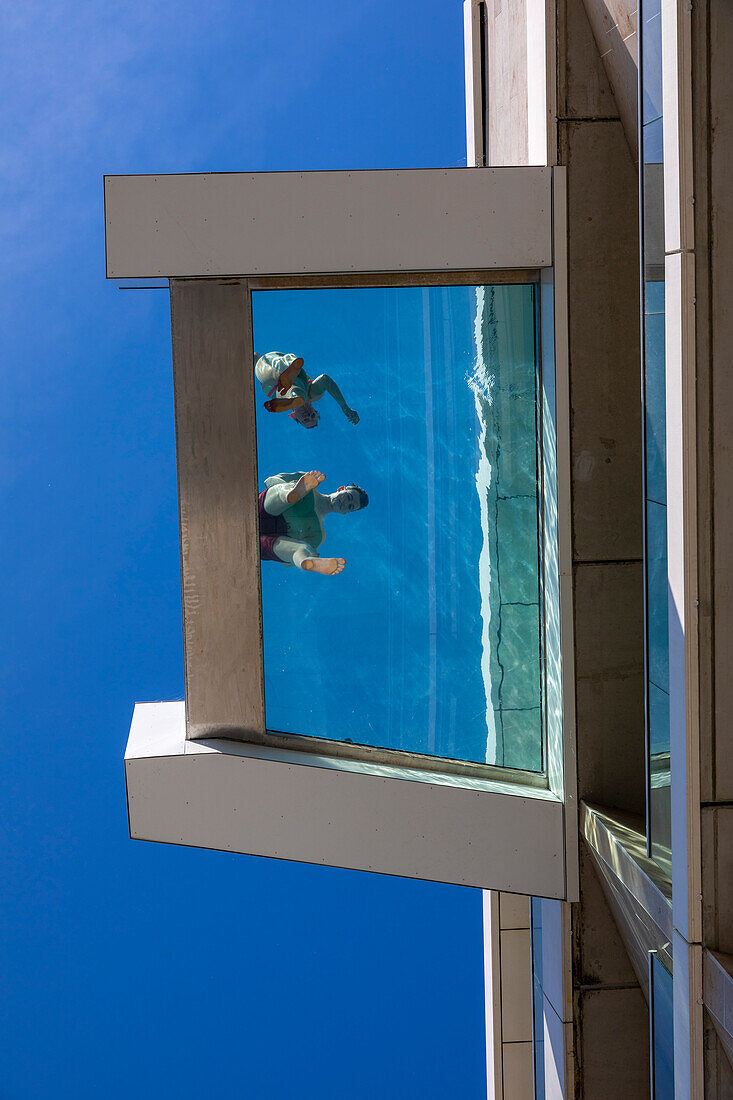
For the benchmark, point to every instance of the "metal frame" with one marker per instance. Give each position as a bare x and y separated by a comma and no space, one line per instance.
212,689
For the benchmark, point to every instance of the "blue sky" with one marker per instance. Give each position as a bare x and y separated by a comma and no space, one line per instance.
134,969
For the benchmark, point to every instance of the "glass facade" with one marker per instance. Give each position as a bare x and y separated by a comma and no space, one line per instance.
413,413
654,395
661,1029
538,1017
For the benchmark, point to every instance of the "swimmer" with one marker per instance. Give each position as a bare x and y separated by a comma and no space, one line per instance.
292,512
289,388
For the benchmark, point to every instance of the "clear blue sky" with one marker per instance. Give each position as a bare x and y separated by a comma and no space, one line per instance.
130,969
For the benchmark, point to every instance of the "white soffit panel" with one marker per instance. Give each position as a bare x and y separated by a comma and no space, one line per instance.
247,798
283,223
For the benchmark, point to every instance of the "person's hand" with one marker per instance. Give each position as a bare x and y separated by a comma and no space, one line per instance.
352,416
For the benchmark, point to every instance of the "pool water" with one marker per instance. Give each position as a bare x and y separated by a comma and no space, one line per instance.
429,640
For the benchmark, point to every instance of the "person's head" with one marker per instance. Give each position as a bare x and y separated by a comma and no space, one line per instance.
349,498
306,416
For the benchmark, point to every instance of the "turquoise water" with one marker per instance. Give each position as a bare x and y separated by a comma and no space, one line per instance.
429,641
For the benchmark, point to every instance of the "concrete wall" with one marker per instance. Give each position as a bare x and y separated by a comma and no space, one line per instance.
614,25
610,1013
712,581
507,70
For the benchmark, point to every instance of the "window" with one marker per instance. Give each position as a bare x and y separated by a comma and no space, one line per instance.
661,1029
655,466
429,639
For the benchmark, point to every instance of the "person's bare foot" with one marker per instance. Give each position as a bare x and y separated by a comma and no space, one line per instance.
289,375
304,484
283,404
329,567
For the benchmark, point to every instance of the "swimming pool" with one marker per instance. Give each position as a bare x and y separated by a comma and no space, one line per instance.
429,640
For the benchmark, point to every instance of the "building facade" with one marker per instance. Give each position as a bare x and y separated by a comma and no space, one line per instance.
632,983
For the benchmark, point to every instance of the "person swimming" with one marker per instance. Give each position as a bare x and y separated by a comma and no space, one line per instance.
291,513
289,389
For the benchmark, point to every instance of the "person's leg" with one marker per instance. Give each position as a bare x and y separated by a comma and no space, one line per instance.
292,551
303,556
276,498
325,384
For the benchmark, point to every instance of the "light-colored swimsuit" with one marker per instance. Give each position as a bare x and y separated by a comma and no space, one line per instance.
303,520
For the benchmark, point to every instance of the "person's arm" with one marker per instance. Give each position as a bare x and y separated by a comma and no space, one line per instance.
325,384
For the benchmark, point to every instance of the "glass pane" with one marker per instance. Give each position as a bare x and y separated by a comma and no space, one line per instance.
655,458
427,639
653,202
538,1015
651,59
660,802
657,595
655,407
661,1030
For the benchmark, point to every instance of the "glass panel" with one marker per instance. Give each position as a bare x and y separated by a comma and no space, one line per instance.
655,459
660,803
552,663
538,1016
653,182
661,1030
657,595
651,59
427,639
655,408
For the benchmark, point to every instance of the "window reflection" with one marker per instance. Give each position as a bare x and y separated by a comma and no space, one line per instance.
655,479
661,1029
422,632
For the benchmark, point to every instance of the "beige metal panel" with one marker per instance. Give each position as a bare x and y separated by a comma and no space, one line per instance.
516,986
217,480
677,124
513,911
518,1071
289,222
296,806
